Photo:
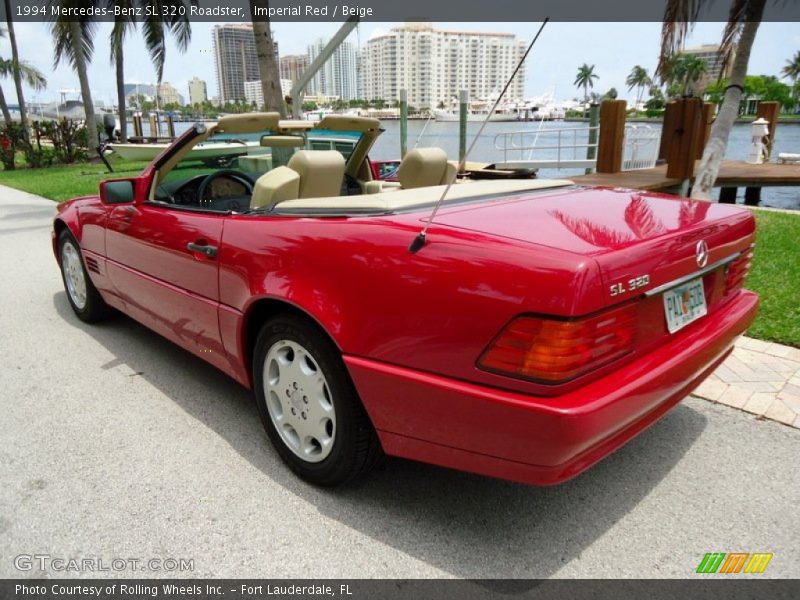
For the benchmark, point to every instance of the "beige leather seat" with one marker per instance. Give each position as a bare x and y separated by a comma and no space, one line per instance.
321,172
423,167
277,185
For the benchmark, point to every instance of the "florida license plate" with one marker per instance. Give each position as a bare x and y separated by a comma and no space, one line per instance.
684,304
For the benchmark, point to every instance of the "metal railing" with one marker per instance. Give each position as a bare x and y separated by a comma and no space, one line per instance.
569,147
522,149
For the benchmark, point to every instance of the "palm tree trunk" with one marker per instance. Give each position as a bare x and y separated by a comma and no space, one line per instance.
76,36
267,62
123,121
4,107
12,38
714,151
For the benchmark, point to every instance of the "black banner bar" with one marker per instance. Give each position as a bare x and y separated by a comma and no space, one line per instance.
710,587
383,10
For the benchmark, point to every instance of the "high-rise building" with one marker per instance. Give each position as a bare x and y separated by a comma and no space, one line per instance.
709,54
235,59
198,92
340,75
254,93
167,94
434,65
292,66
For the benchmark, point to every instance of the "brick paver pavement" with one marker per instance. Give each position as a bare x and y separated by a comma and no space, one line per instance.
761,378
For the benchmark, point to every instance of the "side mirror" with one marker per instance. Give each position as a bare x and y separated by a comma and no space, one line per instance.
116,191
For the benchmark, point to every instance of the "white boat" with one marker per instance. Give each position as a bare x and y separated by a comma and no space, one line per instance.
213,150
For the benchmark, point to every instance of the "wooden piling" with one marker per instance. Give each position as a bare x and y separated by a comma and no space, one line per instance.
611,141
153,125
170,126
684,138
668,124
137,126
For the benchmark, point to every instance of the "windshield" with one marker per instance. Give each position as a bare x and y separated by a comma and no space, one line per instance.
226,166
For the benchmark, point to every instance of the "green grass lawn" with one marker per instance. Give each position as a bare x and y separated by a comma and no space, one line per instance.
65,182
775,275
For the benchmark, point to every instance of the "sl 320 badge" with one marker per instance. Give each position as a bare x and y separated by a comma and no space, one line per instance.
617,289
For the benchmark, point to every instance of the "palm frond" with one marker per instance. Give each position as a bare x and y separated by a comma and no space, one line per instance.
122,24
679,18
64,49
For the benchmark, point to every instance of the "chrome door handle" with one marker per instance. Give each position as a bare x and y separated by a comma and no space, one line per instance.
209,251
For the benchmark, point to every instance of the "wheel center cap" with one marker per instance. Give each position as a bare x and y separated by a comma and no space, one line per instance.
296,397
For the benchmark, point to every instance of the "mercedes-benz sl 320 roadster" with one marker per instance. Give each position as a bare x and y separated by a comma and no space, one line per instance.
539,327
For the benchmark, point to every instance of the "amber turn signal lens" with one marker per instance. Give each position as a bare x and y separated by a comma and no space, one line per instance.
554,351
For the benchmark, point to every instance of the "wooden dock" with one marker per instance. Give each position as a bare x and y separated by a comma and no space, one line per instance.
732,174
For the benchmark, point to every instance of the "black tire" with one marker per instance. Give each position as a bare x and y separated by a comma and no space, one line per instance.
92,308
354,447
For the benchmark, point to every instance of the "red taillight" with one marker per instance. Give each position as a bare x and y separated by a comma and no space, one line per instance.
738,270
557,350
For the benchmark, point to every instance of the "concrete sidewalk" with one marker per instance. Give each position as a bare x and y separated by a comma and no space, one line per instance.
761,378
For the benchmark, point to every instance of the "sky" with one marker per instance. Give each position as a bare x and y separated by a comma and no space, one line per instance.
614,48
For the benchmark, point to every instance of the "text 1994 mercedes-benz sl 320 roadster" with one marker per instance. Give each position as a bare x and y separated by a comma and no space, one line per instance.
540,327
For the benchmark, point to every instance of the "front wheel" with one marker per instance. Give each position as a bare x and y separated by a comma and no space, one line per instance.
83,297
308,404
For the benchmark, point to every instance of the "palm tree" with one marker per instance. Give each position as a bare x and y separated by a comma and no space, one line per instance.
155,29
73,43
30,74
12,38
584,79
743,21
685,71
640,80
268,70
792,71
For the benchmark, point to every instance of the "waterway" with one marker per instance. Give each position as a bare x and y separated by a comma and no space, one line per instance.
423,133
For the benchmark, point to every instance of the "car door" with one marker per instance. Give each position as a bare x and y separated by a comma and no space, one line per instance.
162,261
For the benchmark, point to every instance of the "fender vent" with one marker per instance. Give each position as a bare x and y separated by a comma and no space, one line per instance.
92,264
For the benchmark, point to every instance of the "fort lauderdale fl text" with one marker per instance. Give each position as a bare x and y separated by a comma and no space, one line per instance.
170,590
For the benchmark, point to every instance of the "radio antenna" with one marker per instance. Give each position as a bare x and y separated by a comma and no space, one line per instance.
421,238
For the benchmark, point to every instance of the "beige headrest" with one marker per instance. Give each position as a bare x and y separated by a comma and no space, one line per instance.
321,172
422,167
279,184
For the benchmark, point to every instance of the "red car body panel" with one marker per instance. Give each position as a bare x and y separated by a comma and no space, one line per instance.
411,327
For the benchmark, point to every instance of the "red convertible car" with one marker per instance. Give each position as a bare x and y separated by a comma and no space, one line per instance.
540,327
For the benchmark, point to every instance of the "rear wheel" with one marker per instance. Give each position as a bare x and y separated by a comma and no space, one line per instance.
308,404
83,297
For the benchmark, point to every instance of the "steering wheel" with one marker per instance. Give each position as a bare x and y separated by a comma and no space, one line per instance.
242,178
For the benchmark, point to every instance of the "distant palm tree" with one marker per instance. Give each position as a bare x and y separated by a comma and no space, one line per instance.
685,71
30,74
584,79
155,29
268,70
74,43
792,71
743,21
640,80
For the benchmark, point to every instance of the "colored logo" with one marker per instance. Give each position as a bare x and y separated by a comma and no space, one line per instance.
734,562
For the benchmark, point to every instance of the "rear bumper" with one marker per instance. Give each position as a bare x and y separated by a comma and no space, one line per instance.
541,440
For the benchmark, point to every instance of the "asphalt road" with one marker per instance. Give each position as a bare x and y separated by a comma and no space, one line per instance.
118,445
